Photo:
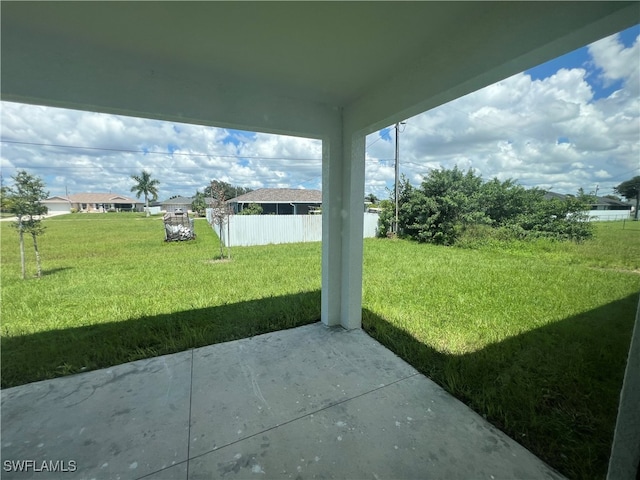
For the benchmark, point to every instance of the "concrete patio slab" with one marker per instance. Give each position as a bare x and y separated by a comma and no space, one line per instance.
311,402
242,388
121,422
411,429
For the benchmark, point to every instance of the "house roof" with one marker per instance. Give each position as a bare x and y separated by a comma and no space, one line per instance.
56,199
92,198
279,195
554,196
612,202
599,200
184,201
178,201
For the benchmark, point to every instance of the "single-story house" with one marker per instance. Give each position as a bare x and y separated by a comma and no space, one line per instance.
92,202
177,203
602,209
601,203
181,203
604,203
279,201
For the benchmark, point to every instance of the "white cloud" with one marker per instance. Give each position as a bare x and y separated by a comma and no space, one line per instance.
617,62
551,132
556,132
183,157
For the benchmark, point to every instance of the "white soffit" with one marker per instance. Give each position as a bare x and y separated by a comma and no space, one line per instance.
221,62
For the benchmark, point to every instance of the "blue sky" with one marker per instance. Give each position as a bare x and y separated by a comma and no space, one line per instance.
571,123
581,59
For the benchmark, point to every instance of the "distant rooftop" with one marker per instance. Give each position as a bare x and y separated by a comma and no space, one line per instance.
598,201
94,198
279,195
184,201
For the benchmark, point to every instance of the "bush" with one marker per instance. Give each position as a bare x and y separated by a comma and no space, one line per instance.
251,209
452,206
385,217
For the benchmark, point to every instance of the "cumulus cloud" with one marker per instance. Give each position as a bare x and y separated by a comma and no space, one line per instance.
560,132
554,133
79,151
615,62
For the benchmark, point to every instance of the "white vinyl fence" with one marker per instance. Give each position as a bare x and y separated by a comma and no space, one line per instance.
608,215
247,230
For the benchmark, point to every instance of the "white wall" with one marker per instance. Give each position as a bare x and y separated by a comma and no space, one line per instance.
247,230
153,210
58,207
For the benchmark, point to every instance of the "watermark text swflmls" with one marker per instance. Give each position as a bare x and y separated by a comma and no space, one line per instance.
58,466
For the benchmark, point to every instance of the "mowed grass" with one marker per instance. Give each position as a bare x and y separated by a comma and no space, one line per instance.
113,291
533,336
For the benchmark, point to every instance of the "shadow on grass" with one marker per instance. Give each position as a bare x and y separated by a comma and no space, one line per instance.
55,353
554,389
53,271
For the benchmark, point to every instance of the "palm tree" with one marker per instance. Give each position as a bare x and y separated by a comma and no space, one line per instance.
145,185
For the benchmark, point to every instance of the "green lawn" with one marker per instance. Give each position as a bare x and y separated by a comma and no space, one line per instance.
532,336
113,291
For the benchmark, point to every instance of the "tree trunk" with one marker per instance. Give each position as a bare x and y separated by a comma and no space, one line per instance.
146,204
21,234
35,247
221,241
637,203
229,238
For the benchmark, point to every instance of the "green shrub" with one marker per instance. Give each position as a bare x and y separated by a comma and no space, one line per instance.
251,209
451,203
385,218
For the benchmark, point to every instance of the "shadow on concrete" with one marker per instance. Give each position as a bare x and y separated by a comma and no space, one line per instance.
554,389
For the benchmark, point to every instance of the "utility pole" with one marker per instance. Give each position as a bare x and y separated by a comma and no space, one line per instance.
397,169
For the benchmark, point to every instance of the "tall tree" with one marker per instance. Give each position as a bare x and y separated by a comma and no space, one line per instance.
146,186
24,200
4,195
230,191
199,204
631,191
371,198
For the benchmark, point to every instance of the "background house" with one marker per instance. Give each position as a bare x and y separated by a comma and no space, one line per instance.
602,209
279,201
182,203
175,203
604,203
92,202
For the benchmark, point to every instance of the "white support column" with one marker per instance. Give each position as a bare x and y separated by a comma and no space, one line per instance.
343,154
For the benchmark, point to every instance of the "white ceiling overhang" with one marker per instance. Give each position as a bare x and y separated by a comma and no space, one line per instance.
283,67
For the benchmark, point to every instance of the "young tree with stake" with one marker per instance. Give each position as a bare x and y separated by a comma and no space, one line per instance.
220,213
24,200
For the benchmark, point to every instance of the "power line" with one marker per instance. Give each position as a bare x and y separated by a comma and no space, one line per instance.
150,152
